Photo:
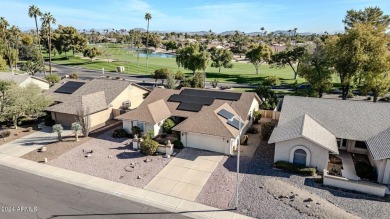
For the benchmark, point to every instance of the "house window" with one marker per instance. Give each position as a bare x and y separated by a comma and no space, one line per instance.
141,126
300,157
360,144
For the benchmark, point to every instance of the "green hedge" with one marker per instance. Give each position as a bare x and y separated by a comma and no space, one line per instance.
149,146
306,171
121,133
365,170
178,144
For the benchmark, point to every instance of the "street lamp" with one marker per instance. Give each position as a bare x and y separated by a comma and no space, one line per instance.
238,154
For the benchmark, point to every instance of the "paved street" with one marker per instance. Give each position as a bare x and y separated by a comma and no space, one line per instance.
49,198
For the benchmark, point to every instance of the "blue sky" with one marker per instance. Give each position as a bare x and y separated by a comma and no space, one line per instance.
193,15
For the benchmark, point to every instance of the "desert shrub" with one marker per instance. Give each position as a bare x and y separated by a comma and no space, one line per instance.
54,78
179,75
149,135
49,121
365,170
168,125
266,130
74,76
136,130
5,134
121,133
256,116
272,81
306,171
253,130
178,144
214,83
149,146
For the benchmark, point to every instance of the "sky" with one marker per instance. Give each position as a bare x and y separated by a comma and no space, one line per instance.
315,16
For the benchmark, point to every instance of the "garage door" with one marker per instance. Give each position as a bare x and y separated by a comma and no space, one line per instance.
206,142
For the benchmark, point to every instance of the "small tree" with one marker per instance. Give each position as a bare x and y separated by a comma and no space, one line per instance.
171,81
161,73
259,55
256,116
58,128
135,130
92,53
168,125
149,135
221,58
76,127
272,81
179,75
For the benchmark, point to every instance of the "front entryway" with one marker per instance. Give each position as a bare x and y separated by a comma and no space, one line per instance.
300,157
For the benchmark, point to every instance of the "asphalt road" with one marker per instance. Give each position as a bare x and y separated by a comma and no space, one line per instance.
45,198
145,80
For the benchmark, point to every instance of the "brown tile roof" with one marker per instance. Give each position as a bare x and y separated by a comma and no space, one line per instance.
150,113
94,93
205,121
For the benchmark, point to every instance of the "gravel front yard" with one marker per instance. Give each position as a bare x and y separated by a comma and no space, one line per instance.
261,184
112,159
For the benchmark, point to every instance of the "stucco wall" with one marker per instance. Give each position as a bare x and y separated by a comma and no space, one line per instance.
43,85
63,119
133,94
359,186
319,156
100,117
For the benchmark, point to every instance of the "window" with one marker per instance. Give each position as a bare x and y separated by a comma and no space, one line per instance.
141,126
299,157
360,144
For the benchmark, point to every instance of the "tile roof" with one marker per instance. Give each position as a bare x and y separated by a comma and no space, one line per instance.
305,127
205,121
150,113
104,91
354,120
379,145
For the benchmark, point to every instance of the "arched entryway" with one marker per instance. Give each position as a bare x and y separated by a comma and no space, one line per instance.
300,157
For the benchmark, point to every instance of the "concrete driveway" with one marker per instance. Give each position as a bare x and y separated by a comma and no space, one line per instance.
186,174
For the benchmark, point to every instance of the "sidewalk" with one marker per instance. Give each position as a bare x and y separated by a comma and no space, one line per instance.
9,156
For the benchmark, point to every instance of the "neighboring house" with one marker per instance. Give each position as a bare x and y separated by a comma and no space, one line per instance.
101,99
25,79
310,129
201,116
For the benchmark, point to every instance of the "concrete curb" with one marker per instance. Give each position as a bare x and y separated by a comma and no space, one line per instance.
161,201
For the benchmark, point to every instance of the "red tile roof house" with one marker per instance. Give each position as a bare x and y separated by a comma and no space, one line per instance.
201,116
99,97
310,129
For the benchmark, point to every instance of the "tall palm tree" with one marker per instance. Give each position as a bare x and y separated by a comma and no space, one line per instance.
148,16
47,20
35,12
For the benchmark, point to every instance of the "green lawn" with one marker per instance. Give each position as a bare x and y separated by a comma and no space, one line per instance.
240,73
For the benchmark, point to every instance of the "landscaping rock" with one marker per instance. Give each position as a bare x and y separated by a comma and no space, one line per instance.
139,177
166,156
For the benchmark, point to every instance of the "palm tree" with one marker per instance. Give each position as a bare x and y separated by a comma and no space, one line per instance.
148,16
35,12
47,20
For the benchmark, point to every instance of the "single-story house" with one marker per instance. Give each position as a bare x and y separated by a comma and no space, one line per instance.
100,99
25,79
202,117
310,129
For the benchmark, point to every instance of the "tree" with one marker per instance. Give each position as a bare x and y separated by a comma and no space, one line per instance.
92,53
240,42
290,57
47,20
148,17
31,67
259,55
168,125
161,74
3,64
171,81
76,127
266,94
315,68
371,15
35,12
190,57
221,58
378,84
357,53
68,38
5,86
170,45
59,129
24,101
